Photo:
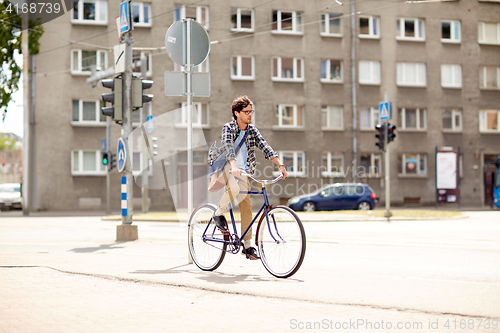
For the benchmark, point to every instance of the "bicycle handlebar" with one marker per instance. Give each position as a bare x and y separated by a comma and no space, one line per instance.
265,181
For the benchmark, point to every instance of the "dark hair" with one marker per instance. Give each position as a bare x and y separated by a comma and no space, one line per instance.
239,104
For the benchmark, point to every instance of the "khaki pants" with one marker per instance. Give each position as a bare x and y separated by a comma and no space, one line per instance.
234,186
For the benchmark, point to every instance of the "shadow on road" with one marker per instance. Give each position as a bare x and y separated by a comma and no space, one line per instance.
95,249
216,277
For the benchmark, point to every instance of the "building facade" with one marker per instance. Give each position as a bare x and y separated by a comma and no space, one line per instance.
316,74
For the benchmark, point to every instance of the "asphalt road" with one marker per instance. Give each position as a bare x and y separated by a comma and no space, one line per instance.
400,271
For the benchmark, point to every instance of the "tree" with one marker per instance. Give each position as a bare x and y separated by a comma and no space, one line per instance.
10,41
7,143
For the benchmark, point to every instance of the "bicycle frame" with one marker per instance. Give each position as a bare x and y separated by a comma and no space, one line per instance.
264,207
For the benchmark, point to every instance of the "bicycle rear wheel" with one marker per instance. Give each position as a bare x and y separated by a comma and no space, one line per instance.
281,242
205,241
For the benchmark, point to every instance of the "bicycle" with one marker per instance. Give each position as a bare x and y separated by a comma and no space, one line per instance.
280,236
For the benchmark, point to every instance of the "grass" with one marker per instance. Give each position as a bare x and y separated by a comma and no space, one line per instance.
398,213
413,213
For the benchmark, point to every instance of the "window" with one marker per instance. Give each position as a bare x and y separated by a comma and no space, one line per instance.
136,58
90,12
287,69
368,118
332,117
370,165
201,113
197,13
410,29
201,68
488,33
369,27
412,164
242,20
410,118
331,25
141,14
411,74
87,163
294,161
331,70
87,113
452,120
451,76
489,77
82,60
287,22
242,68
489,121
332,164
288,116
369,72
450,32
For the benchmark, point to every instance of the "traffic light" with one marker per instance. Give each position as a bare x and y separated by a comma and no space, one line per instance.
115,98
138,87
390,132
380,135
112,161
105,158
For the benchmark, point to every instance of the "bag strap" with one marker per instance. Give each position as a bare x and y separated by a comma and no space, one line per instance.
241,143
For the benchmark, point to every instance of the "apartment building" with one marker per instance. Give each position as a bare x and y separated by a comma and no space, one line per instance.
316,74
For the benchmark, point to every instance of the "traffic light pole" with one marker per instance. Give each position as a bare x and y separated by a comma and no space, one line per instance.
127,125
387,212
108,180
126,231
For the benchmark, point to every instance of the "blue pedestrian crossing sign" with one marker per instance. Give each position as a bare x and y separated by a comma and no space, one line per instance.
124,17
384,110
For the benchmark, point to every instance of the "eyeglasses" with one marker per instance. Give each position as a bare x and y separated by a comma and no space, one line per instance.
249,112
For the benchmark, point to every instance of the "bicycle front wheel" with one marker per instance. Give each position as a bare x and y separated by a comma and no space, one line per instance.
205,241
282,242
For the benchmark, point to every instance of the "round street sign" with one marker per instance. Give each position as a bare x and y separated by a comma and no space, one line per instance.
122,155
176,42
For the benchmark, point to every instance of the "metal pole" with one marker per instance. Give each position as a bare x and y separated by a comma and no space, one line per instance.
458,176
189,72
354,103
108,179
387,212
189,94
127,126
26,104
145,111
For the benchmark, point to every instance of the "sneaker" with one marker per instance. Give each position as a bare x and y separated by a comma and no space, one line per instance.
250,253
221,223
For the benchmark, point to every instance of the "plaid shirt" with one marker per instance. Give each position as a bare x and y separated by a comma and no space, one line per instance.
230,132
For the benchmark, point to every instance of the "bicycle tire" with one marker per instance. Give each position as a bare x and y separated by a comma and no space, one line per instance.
281,242
207,255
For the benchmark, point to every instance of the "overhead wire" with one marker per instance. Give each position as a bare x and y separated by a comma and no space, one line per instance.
161,48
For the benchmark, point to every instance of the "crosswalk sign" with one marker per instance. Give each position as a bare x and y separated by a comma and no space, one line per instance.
384,111
124,17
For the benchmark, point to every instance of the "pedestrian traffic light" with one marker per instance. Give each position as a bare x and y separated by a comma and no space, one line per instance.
380,135
105,158
390,132
115,98
138,87
112,161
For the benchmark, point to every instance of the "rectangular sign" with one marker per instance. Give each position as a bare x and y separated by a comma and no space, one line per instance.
384,110
119,58
125,17
446,169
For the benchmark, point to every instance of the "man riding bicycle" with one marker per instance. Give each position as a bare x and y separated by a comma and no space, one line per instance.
233,133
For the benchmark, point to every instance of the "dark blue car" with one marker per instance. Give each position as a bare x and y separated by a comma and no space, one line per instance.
336,196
